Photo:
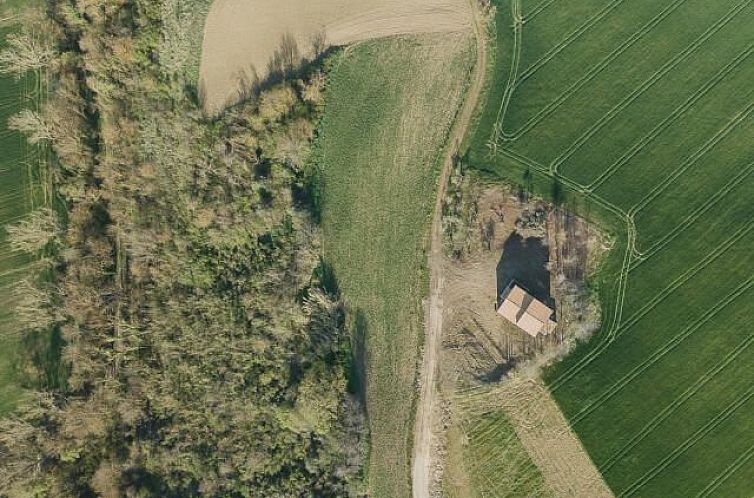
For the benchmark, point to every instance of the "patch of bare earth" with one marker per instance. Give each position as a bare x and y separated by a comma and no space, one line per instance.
242,38
488,364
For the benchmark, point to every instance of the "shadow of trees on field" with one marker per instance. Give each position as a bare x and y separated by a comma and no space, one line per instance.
357,381
39,363
358,329
286,63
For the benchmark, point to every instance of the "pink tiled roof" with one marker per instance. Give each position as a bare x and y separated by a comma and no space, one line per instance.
529,314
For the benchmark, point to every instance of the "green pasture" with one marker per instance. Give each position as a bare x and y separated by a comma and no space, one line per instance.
19,193
642,113
390,105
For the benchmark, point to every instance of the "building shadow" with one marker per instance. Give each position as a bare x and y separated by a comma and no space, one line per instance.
524,260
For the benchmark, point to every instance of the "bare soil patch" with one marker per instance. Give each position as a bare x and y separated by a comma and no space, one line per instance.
241,37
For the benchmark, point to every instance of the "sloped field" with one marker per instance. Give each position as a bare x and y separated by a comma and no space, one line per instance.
390,106
643,113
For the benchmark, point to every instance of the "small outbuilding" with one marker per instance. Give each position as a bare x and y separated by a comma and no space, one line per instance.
525,311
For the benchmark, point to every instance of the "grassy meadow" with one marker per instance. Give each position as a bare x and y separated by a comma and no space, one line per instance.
641,113
19,193
390,105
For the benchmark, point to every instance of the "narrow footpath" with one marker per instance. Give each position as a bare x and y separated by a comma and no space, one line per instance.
422,457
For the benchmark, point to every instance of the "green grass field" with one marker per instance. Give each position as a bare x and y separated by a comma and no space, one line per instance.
496,462
390,104
644,112
19,193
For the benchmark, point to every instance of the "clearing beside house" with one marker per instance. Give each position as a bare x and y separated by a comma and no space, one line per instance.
499,432
241,37
639,114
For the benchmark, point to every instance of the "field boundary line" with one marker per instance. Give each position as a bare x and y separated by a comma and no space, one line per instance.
689,442
648,83
726,473
723,132
574,185
591,73
611,330
693,216
565,42
707,376
641,144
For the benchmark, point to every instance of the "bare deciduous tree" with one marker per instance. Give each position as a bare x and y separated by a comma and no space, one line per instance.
31,124
289,52
24,52
35,232
319,42
34,307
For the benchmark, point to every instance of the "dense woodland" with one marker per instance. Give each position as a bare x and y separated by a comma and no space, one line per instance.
206,350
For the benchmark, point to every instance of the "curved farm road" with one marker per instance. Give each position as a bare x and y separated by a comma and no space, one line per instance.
422,461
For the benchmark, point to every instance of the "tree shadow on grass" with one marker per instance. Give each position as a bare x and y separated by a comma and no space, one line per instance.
357,375
40,364
325,277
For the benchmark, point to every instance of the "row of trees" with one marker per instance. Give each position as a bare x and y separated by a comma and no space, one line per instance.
204,356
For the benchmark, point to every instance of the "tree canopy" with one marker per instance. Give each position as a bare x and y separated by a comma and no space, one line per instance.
204,355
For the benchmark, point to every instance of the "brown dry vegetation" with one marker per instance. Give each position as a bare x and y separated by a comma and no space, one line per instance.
204,353
242,39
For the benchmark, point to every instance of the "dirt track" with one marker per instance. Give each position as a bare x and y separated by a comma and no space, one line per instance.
422,461
241,36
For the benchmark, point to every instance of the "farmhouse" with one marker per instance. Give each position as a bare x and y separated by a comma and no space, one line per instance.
525,311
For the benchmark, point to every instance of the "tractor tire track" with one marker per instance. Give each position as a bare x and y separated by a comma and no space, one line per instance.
592,73
654,78
642,143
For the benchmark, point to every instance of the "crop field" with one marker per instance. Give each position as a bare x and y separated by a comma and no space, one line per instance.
641,114
390,105
18,194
